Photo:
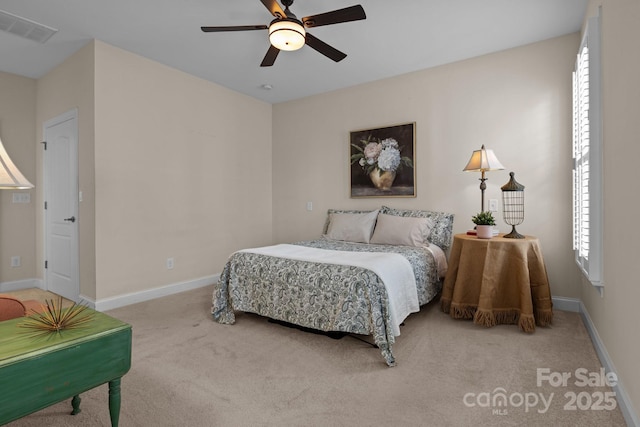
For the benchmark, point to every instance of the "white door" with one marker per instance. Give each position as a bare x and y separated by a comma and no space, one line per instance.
61,205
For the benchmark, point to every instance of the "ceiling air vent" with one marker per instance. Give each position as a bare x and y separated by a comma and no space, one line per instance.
25,28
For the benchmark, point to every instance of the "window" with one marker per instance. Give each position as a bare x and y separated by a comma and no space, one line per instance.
587,156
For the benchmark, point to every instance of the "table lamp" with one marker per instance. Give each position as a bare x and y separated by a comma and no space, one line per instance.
483,160
10,176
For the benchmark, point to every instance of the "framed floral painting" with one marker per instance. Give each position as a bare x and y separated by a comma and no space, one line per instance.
383,161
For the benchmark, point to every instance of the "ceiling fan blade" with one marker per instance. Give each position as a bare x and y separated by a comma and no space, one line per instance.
270,57
233,28
348,14
274,8
323,48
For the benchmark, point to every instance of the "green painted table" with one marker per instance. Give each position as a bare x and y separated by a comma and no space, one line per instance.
39,371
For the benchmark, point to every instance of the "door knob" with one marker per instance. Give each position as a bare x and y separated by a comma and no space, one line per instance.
72,219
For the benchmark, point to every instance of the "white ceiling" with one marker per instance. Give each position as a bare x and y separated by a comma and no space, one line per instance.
396,38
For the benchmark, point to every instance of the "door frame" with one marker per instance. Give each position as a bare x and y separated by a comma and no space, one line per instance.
75,255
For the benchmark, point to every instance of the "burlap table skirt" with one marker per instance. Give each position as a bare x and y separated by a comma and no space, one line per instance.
497,281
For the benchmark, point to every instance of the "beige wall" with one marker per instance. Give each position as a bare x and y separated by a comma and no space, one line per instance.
182,170
517,102
70,86
615,313
169,166
17,231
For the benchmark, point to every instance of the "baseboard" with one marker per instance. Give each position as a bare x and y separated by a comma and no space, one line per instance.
566,304
19,285
576,306
625,404
136,297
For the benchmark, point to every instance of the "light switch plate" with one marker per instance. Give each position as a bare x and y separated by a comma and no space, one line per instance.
21,198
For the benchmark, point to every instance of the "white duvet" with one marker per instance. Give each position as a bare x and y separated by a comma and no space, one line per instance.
393,269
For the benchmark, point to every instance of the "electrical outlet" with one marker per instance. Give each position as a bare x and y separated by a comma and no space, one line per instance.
169,263
493,205
309,206
15,261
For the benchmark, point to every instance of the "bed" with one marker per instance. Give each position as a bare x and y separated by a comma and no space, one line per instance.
365,275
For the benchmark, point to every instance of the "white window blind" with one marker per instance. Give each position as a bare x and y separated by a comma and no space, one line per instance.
587,156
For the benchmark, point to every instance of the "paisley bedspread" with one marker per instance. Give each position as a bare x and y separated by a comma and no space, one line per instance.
326,297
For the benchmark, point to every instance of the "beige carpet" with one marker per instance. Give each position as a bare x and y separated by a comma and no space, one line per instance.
190,371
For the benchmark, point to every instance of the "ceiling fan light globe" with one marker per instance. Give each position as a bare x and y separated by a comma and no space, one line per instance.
287,34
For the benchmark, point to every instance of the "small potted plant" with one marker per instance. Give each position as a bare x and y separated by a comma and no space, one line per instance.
484,222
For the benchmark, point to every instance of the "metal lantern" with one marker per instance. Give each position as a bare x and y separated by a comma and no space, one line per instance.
513,205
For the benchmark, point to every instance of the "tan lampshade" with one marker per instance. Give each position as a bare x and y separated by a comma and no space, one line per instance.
483,160
10,176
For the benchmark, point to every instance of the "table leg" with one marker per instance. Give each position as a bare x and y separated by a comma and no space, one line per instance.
114,401
75,403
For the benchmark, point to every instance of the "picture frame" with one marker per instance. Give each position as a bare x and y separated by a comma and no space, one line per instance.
383,161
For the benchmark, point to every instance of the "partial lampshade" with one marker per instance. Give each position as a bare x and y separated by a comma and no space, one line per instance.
483,160
287,34
10,176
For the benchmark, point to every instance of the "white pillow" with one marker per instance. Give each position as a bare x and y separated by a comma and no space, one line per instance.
399,230
351,227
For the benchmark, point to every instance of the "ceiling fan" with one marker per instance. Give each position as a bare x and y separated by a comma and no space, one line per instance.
287,32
